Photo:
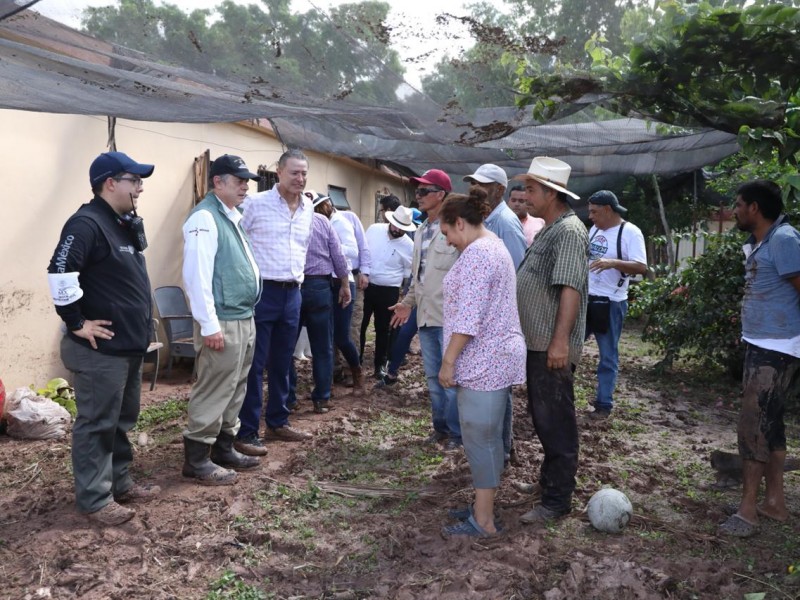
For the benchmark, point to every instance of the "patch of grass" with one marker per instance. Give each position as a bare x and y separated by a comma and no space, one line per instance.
584,391
366,460
297,500
628,427
156,414
230,587
365,561
243,522
652,535
388,425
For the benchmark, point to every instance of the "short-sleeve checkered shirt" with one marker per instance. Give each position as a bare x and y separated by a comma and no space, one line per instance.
557,257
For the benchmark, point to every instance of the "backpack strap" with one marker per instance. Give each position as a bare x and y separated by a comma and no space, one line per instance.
619,246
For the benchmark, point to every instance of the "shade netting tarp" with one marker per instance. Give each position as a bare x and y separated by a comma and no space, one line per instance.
48,67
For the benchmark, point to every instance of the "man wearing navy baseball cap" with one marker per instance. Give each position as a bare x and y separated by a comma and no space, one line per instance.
99,284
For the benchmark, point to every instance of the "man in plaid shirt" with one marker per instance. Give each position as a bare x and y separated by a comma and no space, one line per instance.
278,223
551,295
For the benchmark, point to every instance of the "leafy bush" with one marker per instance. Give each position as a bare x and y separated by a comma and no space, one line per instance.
695,313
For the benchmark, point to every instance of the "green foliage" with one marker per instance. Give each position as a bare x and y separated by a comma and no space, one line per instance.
639,198
60,391
264,43
231,587
545,33
739,168
730,68
480,76
695,313
163,412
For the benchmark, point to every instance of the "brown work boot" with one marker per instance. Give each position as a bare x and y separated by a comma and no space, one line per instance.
288,434
111,514
138,492
251,446
358,380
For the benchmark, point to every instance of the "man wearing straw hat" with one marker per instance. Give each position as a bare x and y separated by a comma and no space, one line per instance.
551,295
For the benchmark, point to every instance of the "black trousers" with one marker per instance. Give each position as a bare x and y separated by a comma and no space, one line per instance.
551,402
377,300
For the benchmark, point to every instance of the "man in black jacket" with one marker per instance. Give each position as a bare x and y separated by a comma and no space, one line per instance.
99,284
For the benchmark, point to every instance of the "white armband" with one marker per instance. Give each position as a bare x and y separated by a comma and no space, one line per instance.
64,288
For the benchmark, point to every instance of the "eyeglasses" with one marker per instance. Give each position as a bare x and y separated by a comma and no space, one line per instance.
420,192
136,181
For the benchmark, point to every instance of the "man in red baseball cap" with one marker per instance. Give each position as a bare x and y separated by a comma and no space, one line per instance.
432,260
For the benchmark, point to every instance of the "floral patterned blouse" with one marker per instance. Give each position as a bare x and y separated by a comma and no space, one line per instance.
480,300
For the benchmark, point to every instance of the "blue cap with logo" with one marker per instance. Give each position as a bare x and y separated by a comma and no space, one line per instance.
110,164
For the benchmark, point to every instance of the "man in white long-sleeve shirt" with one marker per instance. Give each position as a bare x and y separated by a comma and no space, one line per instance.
223,284
392,251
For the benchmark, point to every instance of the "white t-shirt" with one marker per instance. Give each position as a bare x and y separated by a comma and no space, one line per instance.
391,257
603,244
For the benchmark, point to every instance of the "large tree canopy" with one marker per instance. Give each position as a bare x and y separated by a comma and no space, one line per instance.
547,32
338,55
734,69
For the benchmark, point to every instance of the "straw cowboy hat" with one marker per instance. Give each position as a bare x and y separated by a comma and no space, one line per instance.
402,218
551,172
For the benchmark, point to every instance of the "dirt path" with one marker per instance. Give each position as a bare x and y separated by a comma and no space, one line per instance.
357,512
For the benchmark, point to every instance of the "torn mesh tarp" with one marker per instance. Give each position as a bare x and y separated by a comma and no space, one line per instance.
48,67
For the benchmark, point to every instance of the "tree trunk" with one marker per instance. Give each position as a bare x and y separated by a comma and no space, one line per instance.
665,225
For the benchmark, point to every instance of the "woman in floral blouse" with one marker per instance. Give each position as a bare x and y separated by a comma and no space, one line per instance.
485,349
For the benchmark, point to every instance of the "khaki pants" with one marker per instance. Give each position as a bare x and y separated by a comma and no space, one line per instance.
218,393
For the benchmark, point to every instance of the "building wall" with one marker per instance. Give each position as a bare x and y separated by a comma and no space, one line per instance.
45,162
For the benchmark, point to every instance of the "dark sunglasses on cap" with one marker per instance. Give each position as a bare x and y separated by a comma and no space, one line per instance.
421,191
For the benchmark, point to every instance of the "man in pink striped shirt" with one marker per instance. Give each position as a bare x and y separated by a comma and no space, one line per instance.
278,223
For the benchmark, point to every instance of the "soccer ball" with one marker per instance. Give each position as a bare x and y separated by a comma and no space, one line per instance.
609,510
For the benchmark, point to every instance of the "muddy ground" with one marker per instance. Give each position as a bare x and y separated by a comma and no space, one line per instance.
358,511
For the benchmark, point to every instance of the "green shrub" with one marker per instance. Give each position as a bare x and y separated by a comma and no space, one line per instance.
695,314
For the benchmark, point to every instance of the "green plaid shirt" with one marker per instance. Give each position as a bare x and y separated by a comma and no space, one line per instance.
557,257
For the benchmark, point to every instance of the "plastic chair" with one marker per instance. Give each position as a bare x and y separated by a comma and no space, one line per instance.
153,353
178,323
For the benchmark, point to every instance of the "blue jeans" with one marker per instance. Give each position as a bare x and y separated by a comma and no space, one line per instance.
608,365
277,318
315,314
444,404
341,325
402,342
482,425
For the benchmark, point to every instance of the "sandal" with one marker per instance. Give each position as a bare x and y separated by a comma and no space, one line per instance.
738,526
460,514
470,528
730,509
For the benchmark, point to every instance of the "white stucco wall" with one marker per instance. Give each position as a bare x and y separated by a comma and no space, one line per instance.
44,161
